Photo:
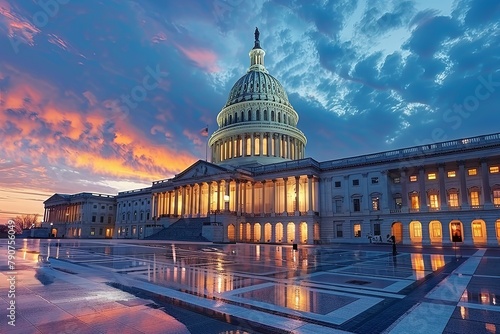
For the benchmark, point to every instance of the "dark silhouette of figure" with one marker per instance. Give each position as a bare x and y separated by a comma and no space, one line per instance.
393,240
257,33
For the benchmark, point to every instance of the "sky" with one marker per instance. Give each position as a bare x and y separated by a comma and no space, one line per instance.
106,96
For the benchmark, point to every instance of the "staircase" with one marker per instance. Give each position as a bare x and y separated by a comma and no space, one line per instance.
185,229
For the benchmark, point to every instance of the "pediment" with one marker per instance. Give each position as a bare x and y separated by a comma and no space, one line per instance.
57,198
200,169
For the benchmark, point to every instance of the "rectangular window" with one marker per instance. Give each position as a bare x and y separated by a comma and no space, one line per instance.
339,231
92,231
453,200
337,184
417,230
257,145
100,231
474,198
338,206
355,182
356,204
102,207
264,146
101,219
431,176
93,219
477,230
398,203
375,203
494,169
134,229
436,230
109,219
374,180
413,178
357,230
452,173
472,171
376,229
397,180
496,197
415,204
434,201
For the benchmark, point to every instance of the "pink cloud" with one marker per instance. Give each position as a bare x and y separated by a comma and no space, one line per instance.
205,59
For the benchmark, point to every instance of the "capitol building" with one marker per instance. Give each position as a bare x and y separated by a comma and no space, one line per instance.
259,187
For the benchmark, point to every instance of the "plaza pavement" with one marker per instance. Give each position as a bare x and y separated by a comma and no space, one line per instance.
110,286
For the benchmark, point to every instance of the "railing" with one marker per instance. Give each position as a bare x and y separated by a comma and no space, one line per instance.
476,207
414,210
395,211
455,208
434,209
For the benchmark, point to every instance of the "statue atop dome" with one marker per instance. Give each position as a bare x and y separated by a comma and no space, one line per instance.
257,42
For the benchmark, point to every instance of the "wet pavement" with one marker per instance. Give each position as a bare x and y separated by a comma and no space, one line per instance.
136,286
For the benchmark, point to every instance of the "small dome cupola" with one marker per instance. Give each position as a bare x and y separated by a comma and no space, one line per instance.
257,55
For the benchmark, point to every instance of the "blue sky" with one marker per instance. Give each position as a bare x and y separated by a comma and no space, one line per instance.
106,96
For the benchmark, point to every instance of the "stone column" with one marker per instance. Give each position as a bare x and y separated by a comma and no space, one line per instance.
218,195
192,202
309,186
226,193
176,201
200,186
269,144
491,233
244,144
285,195
404,189
463,186
252,144
263,197
252,207
347,198
244,196
261,137
184,200
485,180
426,240
237,199
288,148
297,195
276,145
442,188
209,206
273,199
422,191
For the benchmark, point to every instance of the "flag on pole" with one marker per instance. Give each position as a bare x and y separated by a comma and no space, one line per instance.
204,131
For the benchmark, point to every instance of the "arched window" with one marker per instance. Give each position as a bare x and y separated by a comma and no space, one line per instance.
242,116
236,117
249,115
230,119
265,115
257,115
284,118
279,117
272,115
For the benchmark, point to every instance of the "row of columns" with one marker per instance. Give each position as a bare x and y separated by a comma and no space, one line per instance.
269,144
303,232
190,200
63,213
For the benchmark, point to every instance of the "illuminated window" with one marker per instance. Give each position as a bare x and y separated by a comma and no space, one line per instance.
398,203
434,201
496,197
357,230
248,146
415,204
413,178
452,173
92,231
264,146
477,229
494,169
436,229
417,230
257,145
453,200
431,176
375,203
474,198
472,171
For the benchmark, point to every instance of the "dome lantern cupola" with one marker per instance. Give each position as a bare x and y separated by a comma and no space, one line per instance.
257,125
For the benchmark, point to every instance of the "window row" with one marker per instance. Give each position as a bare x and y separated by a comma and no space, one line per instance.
136,216
250,116
135,203
449,174
101,219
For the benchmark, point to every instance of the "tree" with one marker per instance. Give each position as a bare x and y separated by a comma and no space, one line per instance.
27,221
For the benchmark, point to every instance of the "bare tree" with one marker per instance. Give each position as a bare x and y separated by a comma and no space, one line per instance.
27,221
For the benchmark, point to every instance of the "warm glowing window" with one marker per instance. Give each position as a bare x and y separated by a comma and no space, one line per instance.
248,146
415,204
417,230
235,145
477,229
375,203
452,173
413,178
494,169
92,231
257,145
436,229
431,176
357,230
264,146
474,198
496,197
240,150
453,200
498,228
472,172
434,201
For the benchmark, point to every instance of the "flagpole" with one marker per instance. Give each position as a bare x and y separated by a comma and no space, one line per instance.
206,147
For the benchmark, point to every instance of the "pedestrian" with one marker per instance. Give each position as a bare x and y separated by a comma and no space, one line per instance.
393,240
